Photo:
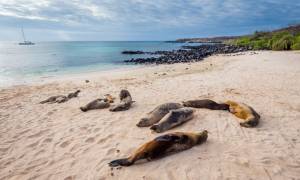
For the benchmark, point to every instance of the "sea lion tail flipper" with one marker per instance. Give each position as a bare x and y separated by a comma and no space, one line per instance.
155,128
120,162
43,102
83,109
249,124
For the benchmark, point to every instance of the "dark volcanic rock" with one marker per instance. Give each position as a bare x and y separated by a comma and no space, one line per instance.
133,52
189,54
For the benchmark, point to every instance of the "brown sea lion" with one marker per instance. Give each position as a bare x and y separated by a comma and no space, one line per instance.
157,114
249,116
205,103
96,104
163,145
173,118
126,101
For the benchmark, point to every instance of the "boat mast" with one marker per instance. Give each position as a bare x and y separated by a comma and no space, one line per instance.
23,34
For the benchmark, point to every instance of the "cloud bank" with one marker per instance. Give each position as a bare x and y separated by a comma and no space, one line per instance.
142,19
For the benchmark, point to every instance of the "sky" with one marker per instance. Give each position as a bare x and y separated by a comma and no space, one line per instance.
112,20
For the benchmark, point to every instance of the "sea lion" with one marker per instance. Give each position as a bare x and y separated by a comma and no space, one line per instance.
157,114
163,145
173,118
60,98
96,104
206,103
249,116
55,99
74,94
126,101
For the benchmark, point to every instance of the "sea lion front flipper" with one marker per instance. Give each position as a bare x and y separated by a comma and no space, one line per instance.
120,162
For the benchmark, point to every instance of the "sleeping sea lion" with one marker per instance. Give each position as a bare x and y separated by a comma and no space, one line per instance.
96,104
55,99
100,103
249,116
60,98
205,103
157,114
126,101
173,118
163,145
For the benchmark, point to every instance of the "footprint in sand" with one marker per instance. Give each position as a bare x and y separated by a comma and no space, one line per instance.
65,144
110,151
102,140
90,140
38,134
47,140
33,144
70,177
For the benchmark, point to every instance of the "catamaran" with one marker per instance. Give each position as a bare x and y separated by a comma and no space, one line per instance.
25,42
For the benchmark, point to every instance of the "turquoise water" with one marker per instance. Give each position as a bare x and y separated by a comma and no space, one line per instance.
19,64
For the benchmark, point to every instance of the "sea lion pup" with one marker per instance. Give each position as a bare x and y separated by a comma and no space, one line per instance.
163,145
205,103
157,114
126,101
248,114
100,103
74,94
173,118
55,99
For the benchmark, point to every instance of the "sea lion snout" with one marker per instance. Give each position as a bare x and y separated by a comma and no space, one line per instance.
143,122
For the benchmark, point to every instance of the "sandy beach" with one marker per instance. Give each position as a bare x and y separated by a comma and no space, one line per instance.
58,141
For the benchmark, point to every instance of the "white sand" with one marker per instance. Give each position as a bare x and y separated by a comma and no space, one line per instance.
58,141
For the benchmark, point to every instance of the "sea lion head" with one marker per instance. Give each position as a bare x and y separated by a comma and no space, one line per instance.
201,137
124,94
144,122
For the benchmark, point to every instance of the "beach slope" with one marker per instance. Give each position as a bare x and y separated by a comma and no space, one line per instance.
58,141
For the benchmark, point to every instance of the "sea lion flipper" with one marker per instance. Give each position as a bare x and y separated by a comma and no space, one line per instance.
120,162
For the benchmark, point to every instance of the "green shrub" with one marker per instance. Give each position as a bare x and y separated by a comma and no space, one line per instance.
282,43
296,46
272,41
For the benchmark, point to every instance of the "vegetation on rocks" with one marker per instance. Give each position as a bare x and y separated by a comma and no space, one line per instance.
283,40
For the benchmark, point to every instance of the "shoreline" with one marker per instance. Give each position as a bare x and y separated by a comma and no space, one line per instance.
58,141
82,76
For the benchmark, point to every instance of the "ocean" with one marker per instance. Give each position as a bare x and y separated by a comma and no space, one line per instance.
20,64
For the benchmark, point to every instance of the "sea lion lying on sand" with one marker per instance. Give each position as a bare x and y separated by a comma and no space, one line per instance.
205,103
173,118
163,145
249,116
101,103
60,98
126,101
157,114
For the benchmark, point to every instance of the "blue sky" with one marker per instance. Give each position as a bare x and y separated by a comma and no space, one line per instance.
67,20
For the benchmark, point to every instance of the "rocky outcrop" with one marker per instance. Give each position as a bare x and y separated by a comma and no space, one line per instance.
189,54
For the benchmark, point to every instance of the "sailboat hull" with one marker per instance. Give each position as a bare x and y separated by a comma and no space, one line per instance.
27,43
